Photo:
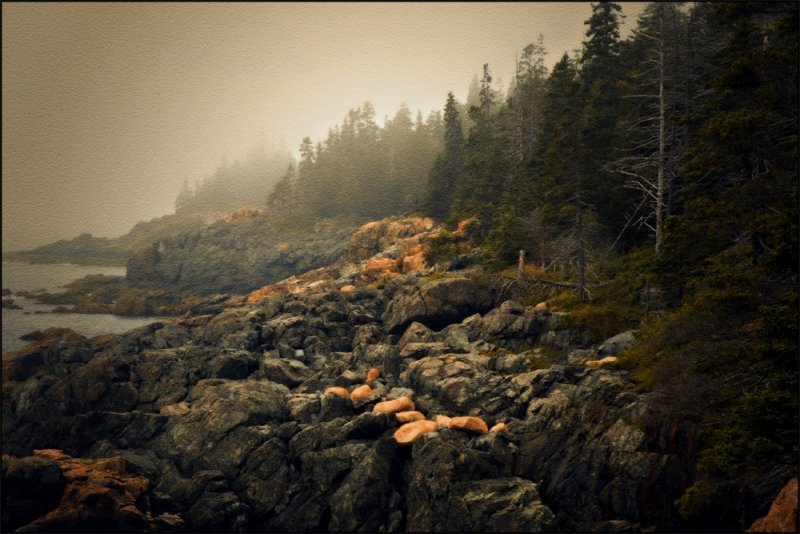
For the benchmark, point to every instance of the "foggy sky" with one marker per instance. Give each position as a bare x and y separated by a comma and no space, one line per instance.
107,108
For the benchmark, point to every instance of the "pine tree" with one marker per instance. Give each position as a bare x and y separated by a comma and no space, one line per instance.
448,166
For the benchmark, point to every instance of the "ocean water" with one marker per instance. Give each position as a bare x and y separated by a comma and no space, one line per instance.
21,276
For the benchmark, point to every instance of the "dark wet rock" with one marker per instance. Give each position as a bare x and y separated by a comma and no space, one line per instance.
290,373
437,304
32,486
451,484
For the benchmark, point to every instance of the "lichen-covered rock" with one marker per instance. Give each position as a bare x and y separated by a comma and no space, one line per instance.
782,516
401,404
409,416
338,391
98,496
373,374
437,304
411,432
469,423
361,392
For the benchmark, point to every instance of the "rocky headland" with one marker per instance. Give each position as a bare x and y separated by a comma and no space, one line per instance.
373,392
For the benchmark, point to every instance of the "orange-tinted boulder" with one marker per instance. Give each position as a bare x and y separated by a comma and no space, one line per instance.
413,259
411,432
339,392
782,515
601,362
469,423
98,491
542,306
402,404
442,420
498,427
373,374
380,267
411,415
349,288
361,392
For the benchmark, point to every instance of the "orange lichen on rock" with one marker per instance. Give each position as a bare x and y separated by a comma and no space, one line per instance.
97,491
601,362
442,420
336,390
373,374
294,284
469,423
380,267
361,392
782,515
245,212
413,259
411,432
498,427
411,415
401,404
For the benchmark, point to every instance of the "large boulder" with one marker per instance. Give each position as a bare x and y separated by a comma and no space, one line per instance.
437,304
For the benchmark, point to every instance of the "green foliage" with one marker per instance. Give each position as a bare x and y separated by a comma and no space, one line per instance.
694,503
443,247
506,238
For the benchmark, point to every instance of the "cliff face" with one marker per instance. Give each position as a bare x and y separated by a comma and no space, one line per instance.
236,254
271,415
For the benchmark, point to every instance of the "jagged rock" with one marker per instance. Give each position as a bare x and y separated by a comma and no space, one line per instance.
290,373
396,393
616,344
415,333
237,256
375,236
782,516
32,486
235,365
411,432
437,304
98,496
179,408
304,407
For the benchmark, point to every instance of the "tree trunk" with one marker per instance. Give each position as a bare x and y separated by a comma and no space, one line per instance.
662,142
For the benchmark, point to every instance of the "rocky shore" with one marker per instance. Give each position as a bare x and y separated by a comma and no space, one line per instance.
377,394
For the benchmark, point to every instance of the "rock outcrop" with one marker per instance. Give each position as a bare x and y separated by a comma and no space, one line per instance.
417,403
236,255
782,516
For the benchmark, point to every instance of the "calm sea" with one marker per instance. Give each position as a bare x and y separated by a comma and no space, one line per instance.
20,276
